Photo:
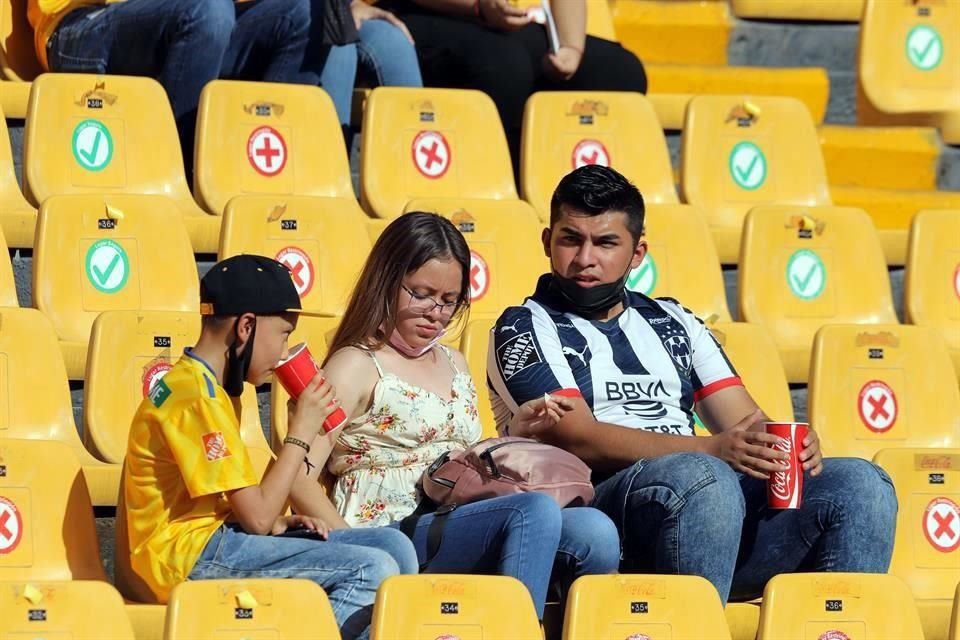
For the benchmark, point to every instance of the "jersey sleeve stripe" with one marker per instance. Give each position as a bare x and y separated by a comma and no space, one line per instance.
713,387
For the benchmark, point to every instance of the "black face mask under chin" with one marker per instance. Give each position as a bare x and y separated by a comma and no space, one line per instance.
589,301
238,365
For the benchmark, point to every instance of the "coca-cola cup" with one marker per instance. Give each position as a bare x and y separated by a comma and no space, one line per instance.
296,372
785,488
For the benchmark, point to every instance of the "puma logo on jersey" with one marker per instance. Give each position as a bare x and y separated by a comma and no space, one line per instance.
579,355
511,327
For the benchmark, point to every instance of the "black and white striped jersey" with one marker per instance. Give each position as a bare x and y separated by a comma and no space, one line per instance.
643,369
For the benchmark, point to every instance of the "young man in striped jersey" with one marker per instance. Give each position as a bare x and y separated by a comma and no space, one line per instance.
638,368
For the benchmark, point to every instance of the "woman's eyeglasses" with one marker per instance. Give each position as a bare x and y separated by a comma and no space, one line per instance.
425,304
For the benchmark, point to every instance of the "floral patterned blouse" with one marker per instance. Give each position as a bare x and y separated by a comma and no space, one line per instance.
379,457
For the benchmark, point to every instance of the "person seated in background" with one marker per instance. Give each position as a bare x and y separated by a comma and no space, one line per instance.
638,369
496,47
183,44
191,505
410,399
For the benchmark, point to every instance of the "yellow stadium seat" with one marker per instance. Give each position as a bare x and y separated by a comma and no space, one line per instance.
801,268
18,57
323,241
474,345
675,33
506,254
249,609
880,386
564,130
754,355
8,287
637,606
739,152
931,284
375,227
129,352
835,606
681,261
35,396
954,633
268,138
109,253
926,554
88,134
458,606
836,11
317,334
46,520
908,57
17,218
437,143
64,609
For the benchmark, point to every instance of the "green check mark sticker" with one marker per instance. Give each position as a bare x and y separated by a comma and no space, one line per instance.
748,166
92,145
924,47
806,274
643,279
107,266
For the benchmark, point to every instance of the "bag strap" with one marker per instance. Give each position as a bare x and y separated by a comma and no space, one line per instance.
434,533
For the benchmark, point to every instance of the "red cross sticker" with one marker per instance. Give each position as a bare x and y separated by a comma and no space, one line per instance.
941,524
267,151
431,154
479,276
300,266
589,152
877,406
11,526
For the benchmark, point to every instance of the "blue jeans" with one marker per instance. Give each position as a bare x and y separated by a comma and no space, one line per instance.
184,44
689,513
382,51
349,566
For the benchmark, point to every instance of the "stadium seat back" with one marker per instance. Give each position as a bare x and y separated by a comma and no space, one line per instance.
461,606
926,554
268,138
474,345
109,253
615,607
88,134
254,609
130,351
954,631
18,218
754,355
740,152
63,609
8,287
46,519
882,386
506,254
440,143
565,130
802,268
317,333
931,284
18,57
909,58
323,241
670,268
833,606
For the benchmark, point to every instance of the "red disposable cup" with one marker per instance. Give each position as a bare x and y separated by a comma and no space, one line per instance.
785,488
296,372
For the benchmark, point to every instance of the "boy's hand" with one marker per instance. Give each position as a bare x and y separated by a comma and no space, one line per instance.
286,523
315,403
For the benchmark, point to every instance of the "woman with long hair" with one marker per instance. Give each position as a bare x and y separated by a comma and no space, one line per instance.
410,399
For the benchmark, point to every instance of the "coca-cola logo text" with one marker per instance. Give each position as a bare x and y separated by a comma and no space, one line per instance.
781,481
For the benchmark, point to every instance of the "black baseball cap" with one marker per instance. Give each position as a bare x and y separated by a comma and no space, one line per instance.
250,284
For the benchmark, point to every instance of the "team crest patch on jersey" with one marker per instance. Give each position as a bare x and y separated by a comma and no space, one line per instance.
159,393
516,354
215,446
679,349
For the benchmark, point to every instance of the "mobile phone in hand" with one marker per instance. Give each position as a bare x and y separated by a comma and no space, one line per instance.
551,26
310,534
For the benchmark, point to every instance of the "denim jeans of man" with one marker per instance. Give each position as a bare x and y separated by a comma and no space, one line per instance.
349,565
690,513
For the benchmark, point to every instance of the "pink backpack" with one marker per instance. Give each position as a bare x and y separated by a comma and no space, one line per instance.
503,466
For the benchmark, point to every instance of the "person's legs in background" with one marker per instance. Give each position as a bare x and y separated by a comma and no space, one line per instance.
589,545
387,56
269,43
338,77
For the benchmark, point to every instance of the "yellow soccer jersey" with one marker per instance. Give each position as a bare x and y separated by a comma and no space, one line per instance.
183,454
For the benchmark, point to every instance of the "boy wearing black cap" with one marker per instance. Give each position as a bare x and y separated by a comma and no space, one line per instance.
192,506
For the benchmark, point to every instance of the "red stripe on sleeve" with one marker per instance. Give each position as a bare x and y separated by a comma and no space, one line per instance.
713,387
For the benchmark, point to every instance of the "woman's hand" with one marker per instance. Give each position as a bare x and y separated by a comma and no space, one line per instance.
539,414
563,64
500,14
362,12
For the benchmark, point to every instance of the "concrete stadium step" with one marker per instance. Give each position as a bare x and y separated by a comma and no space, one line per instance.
672,85
674,32
835,11
881,157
